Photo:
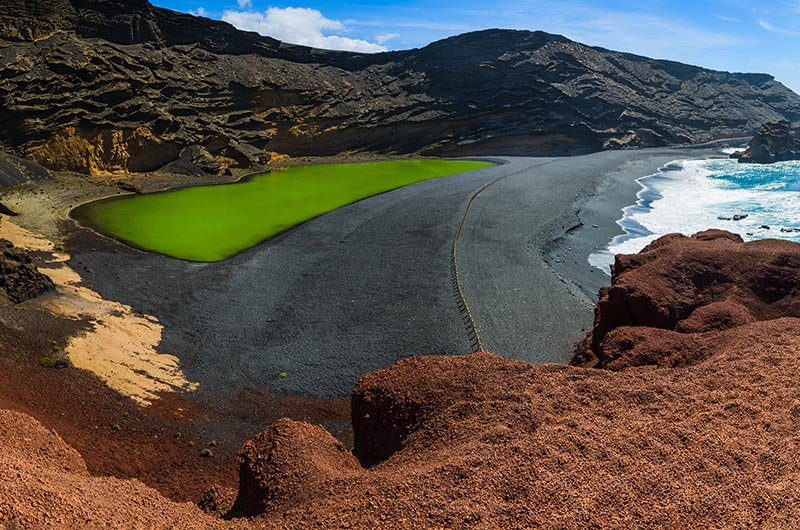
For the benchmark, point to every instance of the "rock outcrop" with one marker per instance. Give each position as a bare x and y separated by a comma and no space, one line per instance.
286,462
20,280
90,85
678,287
774,142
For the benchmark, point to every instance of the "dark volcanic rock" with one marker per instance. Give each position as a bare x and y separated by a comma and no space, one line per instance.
19,278
89,85
129,186
774,142
15,170
679,285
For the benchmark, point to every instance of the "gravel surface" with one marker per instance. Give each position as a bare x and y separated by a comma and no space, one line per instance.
359,288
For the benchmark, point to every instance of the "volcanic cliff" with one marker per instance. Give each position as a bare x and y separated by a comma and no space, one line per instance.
690,418
107,86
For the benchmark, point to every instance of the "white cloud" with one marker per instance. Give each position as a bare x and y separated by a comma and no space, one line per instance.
300,25
243,4
769,27
648,35
385,37
199,12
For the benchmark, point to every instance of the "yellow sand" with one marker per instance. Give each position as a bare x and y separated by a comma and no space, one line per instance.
121,347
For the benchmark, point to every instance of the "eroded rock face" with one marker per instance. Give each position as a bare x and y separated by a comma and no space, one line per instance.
111,151
82,77
774,142
19,278
679,285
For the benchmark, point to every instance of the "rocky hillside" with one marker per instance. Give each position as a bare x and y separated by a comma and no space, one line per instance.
692,423
108,86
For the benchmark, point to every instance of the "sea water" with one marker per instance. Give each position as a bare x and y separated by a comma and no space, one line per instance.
688,196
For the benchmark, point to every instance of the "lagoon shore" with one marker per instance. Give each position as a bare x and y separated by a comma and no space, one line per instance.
359,288
347,293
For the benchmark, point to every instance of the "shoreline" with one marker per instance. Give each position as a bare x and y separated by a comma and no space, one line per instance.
241,180
596,223
355,290
583,192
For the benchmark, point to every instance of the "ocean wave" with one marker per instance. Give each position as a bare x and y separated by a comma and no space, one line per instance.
687,196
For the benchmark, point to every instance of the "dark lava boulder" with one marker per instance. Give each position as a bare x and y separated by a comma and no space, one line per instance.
19,278
774,142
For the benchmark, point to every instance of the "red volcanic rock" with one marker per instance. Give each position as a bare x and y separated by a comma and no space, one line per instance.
710,281
44,484
285,462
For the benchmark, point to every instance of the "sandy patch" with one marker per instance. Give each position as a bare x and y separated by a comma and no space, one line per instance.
121,349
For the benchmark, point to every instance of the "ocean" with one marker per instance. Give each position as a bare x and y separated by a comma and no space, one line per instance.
687,196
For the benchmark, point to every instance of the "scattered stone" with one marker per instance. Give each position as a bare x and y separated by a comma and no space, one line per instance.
19,278
217,500
129,186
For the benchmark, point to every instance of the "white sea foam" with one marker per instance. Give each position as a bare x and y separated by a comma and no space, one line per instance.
688,196
732,150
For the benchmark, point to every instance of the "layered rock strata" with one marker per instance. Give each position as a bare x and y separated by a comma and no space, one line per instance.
114,87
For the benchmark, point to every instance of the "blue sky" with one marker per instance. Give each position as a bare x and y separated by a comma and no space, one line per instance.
733,35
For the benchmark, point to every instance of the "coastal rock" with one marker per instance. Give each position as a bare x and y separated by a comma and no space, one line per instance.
774,142
129,187
710,281
19,278
8,210
146,83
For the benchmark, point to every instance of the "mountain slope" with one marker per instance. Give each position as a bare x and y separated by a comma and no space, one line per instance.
107,86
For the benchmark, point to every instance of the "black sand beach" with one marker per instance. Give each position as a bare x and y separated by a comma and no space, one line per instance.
359,288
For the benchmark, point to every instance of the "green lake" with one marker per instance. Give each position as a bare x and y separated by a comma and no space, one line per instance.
211,223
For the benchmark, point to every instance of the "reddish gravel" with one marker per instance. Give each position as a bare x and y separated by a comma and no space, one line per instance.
695,430
44,484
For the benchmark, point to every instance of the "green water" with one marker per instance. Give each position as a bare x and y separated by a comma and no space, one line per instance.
211,223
